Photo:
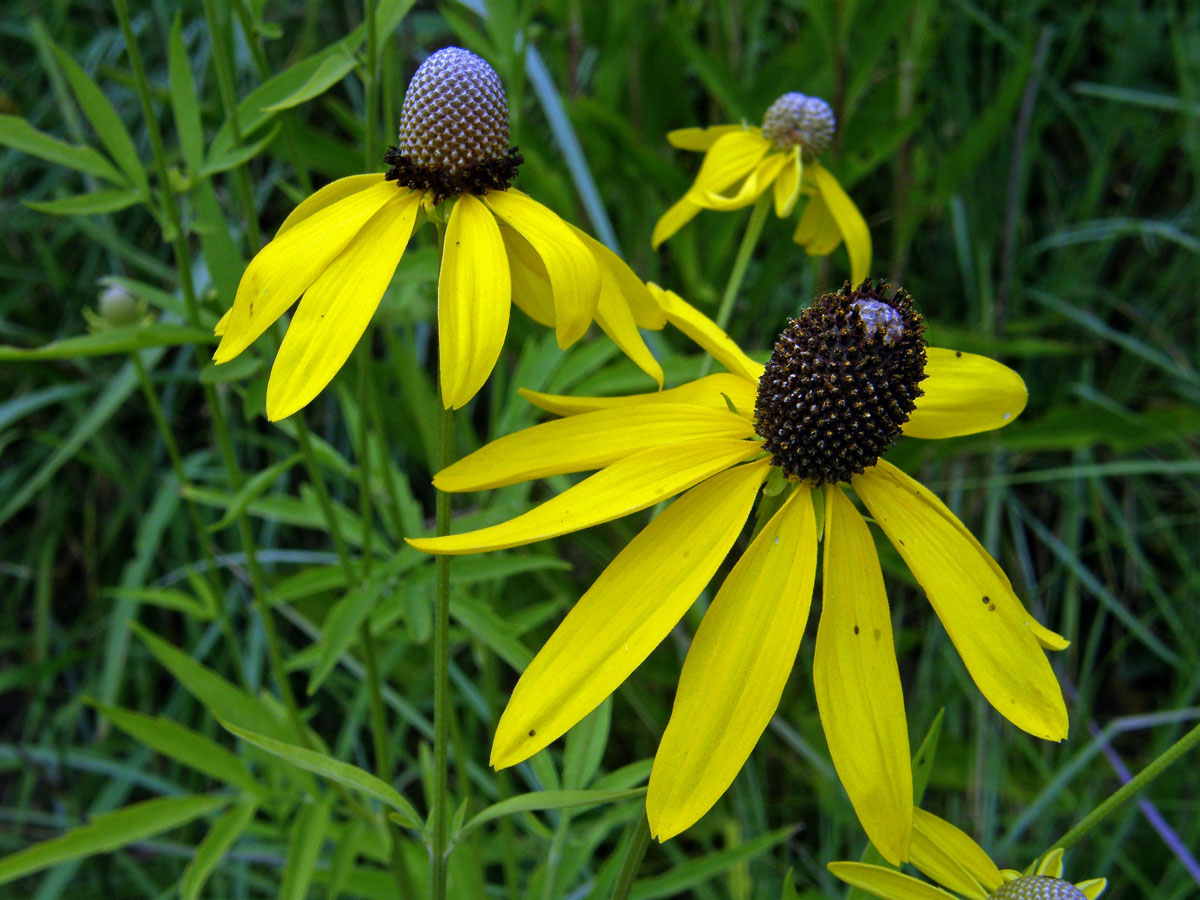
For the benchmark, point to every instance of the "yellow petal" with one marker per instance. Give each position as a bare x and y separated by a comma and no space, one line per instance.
335,311
632,483
971,595
629,288
849,220
947,855
582,443
704,331
711,390
632,606
680,213
285,268
816,231
731,158
615,319
530,283
474,295
787,185
759,180
701,138
857,683
886,883
735,670
572,270
222,323
331,194
965,394
1093,887
1051,864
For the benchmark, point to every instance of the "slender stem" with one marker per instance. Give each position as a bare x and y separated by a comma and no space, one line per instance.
441,661
1127,791
635,852
183,266
753,229
371,83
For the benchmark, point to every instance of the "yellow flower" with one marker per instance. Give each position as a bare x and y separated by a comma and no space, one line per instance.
741,162
952,859
340,247
839,389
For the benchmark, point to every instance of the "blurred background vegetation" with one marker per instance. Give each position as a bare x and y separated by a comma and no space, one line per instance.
1029,172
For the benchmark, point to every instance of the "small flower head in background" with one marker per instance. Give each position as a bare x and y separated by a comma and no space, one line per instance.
117,307
848,376
948,856
340,247
742,162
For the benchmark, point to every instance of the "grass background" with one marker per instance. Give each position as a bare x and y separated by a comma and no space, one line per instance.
1029,173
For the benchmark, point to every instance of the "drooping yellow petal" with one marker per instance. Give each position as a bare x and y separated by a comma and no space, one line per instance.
857,683
571,268
335,311
974,600
615,320
887,884
632,483
934,838
711,391
329,195
530,283
632,606
817,232
629,288
787,185
1093,887
704,331
474,294
736,669
850,221
756,182
222,323
964,394
582,443
702,138
679,214
1051,864
285,268
731,158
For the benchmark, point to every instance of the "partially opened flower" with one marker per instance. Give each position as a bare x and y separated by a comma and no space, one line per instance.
953,860
340,247
847,378
741,162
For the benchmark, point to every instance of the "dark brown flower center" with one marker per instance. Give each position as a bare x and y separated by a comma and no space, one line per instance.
841,383
454,129
797,119
1037,887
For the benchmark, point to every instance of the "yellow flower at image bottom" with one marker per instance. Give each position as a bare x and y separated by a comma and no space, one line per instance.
341,246
847,378
948,856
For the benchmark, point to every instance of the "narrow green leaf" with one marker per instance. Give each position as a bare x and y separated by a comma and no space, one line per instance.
252,490
167,598
922,761
225,831
304,846
188,747
104,119
500,637
110,831
341,627
184,102
335,770
680,879
585,747
342,867
88,204
115,340
15,132
540,800
332,70
231,157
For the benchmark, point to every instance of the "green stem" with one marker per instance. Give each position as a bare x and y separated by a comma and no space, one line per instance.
1127,791
441,661
371,83
635,851
183,266
754,227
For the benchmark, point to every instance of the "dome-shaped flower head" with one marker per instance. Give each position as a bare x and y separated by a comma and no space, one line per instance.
948,856
848,377
742,162
340,247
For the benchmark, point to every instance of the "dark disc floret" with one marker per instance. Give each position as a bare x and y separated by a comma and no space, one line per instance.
454,129
1038,887
841,382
